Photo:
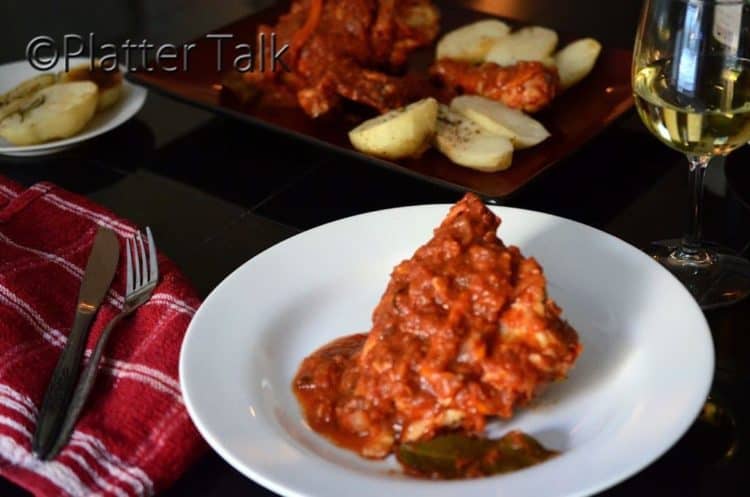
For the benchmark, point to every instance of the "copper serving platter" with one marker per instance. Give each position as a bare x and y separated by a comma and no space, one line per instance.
573,118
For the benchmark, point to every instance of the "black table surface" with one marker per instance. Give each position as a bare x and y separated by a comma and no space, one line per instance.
218,192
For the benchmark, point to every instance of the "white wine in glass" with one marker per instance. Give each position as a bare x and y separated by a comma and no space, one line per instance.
691,82
713,121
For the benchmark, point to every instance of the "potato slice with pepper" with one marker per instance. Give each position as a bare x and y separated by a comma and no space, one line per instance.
400,133
467,144
523,131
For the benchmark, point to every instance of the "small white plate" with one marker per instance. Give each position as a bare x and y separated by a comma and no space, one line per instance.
640,382
129,104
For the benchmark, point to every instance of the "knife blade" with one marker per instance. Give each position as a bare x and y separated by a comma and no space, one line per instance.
100,270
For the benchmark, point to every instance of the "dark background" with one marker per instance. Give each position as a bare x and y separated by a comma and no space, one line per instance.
217,192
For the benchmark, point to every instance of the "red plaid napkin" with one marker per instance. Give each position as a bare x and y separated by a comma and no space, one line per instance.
134,437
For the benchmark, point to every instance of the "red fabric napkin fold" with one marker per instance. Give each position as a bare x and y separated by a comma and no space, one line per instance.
134,437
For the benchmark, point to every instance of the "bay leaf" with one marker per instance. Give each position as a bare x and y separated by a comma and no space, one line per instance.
459,455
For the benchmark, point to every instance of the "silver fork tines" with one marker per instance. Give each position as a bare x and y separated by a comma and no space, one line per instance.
141,270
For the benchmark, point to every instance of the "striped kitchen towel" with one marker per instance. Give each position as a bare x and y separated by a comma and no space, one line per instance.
134,437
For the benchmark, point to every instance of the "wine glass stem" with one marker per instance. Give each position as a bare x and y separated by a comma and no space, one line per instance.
691,247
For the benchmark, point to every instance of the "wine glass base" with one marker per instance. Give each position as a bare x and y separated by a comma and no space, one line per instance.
716,278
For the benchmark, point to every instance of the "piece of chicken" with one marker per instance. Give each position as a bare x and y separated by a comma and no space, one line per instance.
528,86
465,330
349,48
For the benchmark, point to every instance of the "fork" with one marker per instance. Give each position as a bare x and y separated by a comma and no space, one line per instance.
142,274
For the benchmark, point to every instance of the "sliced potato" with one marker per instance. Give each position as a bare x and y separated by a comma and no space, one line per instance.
532,43
28,87
59,111
494,116
467,144
471,42
576,60
404,132
108,82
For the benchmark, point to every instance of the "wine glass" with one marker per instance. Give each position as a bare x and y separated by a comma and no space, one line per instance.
691,82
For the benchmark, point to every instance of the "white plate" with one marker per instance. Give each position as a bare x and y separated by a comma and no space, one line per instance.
129,104
639,384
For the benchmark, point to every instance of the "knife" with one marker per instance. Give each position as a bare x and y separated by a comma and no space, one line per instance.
100,270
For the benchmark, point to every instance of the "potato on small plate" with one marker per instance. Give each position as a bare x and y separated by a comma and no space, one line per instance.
56,112
576,60
28,81
471,42
523,131
467,144
533,43
400,133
